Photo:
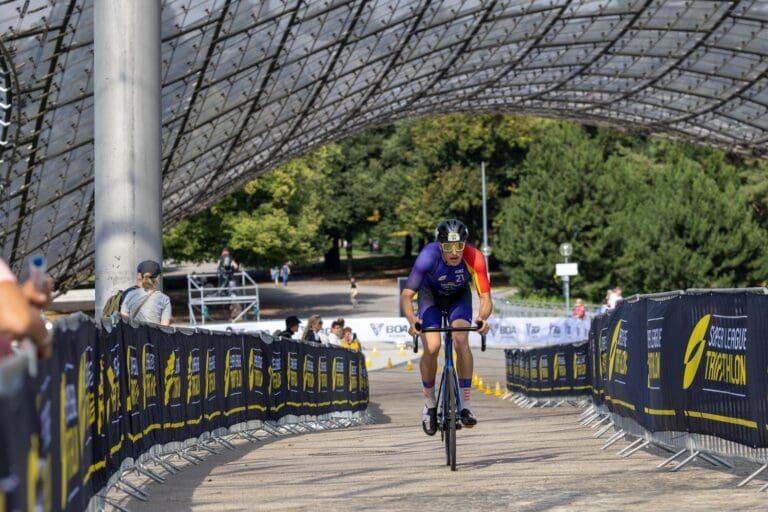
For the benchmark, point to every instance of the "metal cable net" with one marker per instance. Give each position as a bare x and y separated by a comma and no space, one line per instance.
248,85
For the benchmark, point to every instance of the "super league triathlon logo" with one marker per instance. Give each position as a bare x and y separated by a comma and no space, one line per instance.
723,340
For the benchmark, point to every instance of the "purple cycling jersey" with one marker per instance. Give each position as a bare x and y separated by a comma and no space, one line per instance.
430,272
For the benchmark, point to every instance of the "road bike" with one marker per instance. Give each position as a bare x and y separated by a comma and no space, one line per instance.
449,402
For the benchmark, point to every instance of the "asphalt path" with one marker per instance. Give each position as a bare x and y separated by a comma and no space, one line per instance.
515,459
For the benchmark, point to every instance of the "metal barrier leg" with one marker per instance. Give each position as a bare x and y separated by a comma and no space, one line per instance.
223,442
764,487
673,457
129,490
636,448
149,473
685,461
248,436
206,448
112,503
603,430
720,461
630,446
615,437
194,459
710,459
753,475
165,464
132,487
602,420
269,429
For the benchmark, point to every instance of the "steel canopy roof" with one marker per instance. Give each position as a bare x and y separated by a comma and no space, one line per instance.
248,85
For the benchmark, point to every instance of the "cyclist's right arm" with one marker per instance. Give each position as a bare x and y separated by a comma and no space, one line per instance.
406,306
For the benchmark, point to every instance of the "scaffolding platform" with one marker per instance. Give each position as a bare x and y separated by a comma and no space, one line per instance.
242,293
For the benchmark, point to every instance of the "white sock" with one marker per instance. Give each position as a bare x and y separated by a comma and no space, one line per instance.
430,400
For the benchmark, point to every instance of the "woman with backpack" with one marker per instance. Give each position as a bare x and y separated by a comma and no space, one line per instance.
146,303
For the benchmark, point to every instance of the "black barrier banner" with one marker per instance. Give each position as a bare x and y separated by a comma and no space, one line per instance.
695,363
626,364
104,397
557,370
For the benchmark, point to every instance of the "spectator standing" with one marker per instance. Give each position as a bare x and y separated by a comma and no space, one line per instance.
227,267
276,274
146,303
291,327
353,291
334,337
314,325
20,313
285,271
579,311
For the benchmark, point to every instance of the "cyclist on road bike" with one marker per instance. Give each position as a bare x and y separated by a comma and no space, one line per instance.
441,277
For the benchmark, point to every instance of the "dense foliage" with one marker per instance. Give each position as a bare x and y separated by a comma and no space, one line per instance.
644,213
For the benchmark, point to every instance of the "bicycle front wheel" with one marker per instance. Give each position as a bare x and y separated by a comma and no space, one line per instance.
450,419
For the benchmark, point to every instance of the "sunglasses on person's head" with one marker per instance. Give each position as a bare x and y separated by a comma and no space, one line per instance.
452,246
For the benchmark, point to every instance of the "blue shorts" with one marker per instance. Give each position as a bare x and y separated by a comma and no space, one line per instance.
458,306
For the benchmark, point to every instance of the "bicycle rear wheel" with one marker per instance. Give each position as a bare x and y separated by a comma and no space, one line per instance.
450,419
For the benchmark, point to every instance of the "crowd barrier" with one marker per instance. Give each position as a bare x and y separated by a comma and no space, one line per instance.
686,372
557,371
106,399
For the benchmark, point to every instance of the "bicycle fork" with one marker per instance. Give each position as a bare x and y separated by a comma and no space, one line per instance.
449,369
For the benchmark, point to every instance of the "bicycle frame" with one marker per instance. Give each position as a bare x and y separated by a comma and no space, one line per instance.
447,420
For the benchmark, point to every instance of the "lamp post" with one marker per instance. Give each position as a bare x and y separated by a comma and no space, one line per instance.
485,249
566,250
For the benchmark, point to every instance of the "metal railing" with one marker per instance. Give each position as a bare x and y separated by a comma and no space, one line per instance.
240,293
506,307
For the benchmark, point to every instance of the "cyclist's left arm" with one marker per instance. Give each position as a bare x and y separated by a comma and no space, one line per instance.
476,264
486,307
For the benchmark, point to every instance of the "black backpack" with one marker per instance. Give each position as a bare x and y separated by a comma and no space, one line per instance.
115,302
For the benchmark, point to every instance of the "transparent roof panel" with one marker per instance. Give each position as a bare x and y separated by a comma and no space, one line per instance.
249,84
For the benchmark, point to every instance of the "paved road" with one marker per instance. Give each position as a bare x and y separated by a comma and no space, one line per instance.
514,459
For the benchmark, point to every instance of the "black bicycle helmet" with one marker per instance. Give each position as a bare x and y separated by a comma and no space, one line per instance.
451,230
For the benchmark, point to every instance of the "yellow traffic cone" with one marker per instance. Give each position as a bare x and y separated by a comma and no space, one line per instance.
374,352
474,378
498,389
389,362
488,390
402,351
409,365
480,384
368,363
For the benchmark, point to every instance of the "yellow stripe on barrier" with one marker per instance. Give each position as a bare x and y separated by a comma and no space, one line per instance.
195,421
622,403
103,463
660,412
721,419
150,428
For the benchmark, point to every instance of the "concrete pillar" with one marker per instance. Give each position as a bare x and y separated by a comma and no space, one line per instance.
128,208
